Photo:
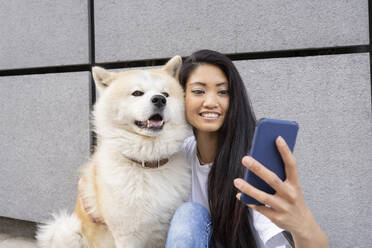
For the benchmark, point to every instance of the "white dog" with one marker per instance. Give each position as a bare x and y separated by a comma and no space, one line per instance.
133,183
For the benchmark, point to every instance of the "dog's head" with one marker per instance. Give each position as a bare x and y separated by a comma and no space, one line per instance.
145,102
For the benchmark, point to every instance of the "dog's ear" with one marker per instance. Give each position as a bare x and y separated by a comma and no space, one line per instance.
102,77
172,67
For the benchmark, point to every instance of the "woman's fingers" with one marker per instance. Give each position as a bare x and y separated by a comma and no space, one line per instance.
289,160
259,195
265,174
269,212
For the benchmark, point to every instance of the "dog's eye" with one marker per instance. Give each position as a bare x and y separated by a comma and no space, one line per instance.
165,94
137,93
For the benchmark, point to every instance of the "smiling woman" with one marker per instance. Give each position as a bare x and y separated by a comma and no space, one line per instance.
207,98
223,121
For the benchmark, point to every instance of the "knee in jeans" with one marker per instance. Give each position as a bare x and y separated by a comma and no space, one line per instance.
192,210
190,217
189,226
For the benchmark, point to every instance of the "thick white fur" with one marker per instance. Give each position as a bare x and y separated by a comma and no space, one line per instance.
61,232
135,203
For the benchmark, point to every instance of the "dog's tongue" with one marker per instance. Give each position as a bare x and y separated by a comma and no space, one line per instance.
152,123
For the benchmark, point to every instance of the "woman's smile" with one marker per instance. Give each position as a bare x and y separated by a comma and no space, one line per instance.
207,98
210,115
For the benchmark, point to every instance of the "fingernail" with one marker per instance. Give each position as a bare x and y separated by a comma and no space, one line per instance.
237,182
237,196
281,140
248,160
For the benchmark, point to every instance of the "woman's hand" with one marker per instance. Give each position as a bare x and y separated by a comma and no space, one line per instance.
287,207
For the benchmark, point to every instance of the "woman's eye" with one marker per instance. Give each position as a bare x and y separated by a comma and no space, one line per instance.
197,91
165,94
224,92
137,93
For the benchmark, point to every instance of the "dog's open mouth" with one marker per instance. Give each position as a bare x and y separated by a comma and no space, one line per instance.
155,122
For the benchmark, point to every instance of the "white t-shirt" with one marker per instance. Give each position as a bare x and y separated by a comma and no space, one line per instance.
267,234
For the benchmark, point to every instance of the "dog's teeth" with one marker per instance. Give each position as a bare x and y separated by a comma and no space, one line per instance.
148,123
155,123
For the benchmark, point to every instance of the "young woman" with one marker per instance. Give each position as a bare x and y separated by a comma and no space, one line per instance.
218,108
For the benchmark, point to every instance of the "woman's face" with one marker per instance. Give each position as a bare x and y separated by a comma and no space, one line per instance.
207,98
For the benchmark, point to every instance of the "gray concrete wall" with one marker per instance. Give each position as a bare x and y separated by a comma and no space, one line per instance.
131,30
44,133
43,33
44,128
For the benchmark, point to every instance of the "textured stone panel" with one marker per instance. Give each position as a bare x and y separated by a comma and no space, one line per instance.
330,98
43,33
133,30
44,133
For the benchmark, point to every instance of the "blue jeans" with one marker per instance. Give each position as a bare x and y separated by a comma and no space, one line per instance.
191,226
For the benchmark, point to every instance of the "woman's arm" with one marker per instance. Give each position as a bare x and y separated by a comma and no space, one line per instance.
287,207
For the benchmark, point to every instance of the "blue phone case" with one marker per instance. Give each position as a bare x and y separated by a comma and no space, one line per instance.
265,151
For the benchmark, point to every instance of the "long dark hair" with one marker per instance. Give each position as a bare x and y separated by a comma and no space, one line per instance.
230,218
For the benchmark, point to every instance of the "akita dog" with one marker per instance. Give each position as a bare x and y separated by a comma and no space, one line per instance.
136,178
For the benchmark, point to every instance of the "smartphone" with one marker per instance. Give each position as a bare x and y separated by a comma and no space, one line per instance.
265,151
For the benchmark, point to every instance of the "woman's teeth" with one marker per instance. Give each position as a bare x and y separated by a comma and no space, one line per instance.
209,115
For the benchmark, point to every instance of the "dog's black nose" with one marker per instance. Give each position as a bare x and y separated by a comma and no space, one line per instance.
159,101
